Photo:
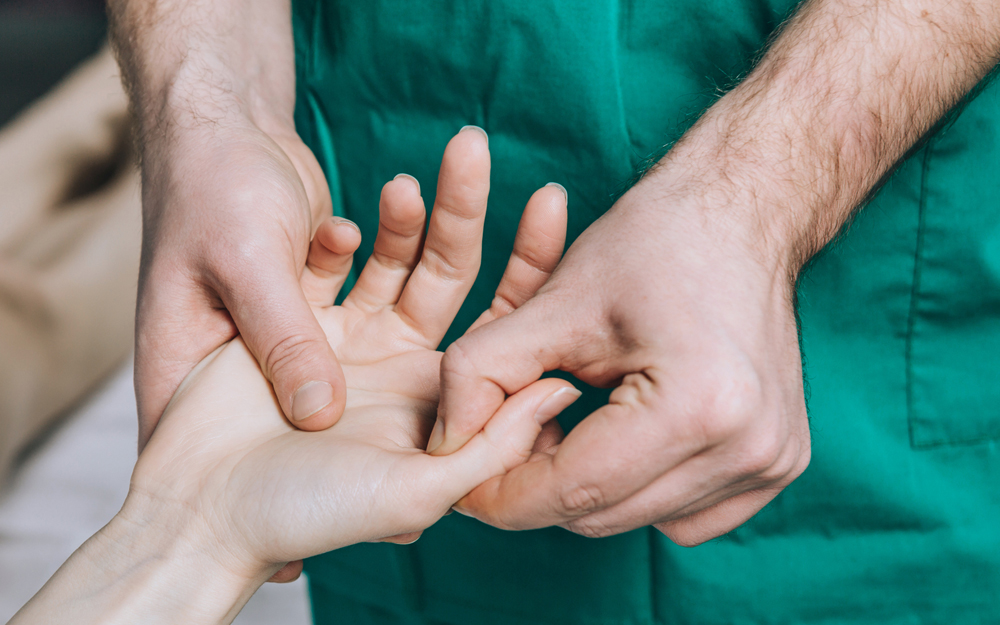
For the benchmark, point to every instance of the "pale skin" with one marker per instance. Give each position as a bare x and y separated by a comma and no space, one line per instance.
681,296
227,492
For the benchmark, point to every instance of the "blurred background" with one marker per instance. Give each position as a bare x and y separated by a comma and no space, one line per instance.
69,251
40,42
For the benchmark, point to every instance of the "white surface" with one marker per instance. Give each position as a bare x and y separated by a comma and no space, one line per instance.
72,485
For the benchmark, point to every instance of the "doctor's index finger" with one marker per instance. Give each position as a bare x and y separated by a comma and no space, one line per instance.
480,369
614,453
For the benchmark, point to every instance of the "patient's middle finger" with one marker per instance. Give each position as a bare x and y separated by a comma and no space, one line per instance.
452,251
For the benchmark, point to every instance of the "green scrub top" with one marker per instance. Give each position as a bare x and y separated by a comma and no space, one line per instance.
897,520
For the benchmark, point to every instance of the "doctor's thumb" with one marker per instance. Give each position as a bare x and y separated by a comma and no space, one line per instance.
279,327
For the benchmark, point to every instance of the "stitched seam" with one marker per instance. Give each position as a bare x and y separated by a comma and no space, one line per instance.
987,438
915,292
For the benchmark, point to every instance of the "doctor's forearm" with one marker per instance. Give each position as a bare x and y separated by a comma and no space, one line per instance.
844,91
192,62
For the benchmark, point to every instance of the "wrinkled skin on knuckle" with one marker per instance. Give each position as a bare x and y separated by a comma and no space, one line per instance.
597,348
456,362
591,528
458,368
639,391
684,534
289,352
577,500
454,266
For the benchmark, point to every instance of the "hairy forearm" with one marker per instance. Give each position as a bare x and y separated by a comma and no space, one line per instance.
844,91
150,565
190,61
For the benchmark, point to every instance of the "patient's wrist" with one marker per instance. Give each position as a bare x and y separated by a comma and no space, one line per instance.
166,564
155,562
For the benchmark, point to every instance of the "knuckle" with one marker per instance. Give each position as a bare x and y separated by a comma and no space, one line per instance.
229,269
764,459
775,456
789,464
234,255
289,352
456,363
804,458
506,522
590,528
391,262
464,199
504,305
726,406
581,499
451,265
683,534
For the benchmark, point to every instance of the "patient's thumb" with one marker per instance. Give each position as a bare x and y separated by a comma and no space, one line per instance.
508,438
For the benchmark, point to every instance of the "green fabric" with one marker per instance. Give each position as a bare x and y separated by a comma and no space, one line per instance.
895,521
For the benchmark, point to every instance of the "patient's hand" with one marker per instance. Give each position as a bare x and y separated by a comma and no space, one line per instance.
227,491
273,494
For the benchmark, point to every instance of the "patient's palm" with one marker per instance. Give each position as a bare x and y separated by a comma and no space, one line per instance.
224,448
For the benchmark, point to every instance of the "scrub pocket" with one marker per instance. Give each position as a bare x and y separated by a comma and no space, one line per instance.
953,336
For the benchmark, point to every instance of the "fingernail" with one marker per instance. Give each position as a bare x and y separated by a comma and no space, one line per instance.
409,177
462,511
310,399
477,128
557,402
399,542
437,436
346,222
560,187
407,543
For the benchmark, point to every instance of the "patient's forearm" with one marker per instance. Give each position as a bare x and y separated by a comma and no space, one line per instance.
149,565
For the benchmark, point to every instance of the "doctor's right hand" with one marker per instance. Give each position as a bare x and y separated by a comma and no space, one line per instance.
228,216
231,200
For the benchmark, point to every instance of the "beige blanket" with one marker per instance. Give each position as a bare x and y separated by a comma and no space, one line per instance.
69,250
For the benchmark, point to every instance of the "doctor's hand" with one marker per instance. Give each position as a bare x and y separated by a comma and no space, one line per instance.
231,200
229,211
707,423
682,294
